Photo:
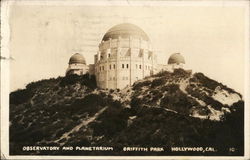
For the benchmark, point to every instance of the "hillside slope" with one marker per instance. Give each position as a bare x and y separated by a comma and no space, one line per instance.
165,110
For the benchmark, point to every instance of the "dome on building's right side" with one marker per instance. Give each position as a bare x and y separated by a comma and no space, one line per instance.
176,58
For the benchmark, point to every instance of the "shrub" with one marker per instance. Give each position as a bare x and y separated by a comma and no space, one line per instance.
20,96
139,85
87,80
158,82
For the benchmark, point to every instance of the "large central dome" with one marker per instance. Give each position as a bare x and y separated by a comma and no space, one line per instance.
125,30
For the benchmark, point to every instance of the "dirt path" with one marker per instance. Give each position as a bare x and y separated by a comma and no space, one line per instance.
84,123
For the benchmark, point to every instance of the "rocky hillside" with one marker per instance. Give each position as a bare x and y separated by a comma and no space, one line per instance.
166,110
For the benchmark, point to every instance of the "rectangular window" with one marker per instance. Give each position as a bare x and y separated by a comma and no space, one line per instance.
110,66
122,65
103,68
100,68
127,65
140,66
114,66
109,55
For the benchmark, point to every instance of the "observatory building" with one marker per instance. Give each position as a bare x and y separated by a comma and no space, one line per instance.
77,65
175,61
124,56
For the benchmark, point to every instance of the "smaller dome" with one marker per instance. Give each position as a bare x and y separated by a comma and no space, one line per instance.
77,58
176,58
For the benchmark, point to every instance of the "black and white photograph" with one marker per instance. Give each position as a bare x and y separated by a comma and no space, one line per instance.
135,79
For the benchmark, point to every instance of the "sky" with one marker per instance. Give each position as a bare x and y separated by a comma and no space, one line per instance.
212,38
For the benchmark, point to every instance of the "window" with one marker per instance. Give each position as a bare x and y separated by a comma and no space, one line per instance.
103,68
110,66
140,66
100,68
127,65
114,66
109,55
122,65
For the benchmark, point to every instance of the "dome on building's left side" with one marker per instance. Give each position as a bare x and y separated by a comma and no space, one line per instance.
77,58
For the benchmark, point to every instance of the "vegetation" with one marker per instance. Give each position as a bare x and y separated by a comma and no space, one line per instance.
158,112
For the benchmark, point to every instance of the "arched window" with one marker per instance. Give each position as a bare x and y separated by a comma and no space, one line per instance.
127,65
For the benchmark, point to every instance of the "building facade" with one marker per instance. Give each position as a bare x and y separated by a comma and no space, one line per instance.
124,56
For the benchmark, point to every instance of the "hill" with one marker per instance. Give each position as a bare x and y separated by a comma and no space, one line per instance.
165,110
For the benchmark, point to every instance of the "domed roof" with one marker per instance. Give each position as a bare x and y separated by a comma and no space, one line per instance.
77,58
176,58
125,30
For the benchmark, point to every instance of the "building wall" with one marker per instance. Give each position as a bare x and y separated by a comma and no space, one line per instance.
77,68
121,62
91,69
169,67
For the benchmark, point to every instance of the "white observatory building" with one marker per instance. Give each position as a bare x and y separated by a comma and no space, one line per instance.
124,56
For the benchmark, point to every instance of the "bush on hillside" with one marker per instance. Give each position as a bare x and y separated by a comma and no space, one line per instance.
86,79
20,96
